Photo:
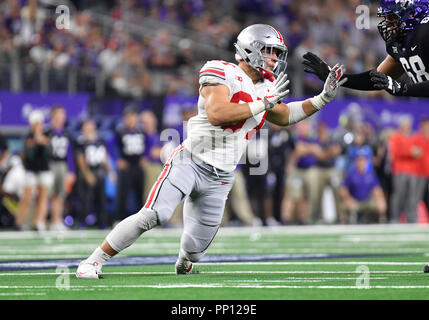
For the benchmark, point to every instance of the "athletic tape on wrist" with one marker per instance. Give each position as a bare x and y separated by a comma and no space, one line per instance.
256,107
318,101
296,112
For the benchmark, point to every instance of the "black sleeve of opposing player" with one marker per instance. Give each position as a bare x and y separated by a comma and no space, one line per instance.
417,89
359,81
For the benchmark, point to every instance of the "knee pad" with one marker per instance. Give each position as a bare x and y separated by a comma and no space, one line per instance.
147,219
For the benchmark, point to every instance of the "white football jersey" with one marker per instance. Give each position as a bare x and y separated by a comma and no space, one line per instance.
223,146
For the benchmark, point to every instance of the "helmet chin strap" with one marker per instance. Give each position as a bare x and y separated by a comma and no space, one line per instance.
266,74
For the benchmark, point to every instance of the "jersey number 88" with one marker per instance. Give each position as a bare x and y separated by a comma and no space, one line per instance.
415,69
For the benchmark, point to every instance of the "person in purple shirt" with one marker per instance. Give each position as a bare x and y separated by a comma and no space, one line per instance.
301,184
362,196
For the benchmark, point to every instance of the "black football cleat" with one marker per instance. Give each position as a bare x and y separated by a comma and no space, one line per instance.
426,269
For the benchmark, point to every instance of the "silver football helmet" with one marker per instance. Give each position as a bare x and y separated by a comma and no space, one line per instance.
258,41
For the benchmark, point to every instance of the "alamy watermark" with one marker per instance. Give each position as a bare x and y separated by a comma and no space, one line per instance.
62,282
63,19
362,281
222,147
363,19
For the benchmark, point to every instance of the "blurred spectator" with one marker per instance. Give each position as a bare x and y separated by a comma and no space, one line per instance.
110,57
383,165
238,203
32,17
11,190
421,139
58,59
4,155
92,162
301,186
256,179
5,194
359,144
13,21
406,156
362,195
152,163
36,155
280,147
327,173
60,140
131,144
161,35
161,49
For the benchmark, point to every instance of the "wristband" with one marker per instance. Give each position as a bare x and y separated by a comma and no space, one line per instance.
319,102
256,107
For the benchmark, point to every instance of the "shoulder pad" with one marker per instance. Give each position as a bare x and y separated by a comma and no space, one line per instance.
213,69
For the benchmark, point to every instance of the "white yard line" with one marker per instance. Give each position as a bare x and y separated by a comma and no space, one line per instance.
215,285
386,238
4,294
219,244
317,263
304,279
39,257
348,230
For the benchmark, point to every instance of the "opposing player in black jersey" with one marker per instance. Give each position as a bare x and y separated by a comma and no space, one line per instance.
93,164
4,155
60,140
405,29
131,146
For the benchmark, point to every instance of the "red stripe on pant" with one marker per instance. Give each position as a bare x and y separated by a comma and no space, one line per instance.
161,178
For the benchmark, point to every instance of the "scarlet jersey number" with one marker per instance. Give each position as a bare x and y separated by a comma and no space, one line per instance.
238,97
244,97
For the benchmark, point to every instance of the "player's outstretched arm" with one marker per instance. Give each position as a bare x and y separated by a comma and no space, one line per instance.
361,81
220,111
294,112
399,88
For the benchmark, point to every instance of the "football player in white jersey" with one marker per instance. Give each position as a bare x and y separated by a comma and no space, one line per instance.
234,101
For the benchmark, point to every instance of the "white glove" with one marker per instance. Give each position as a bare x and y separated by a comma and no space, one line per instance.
278,92
330,89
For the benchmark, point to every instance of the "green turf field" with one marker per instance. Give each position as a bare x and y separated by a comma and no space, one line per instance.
319,262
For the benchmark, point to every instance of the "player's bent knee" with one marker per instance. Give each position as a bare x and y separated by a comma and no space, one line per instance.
166,201
147,219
